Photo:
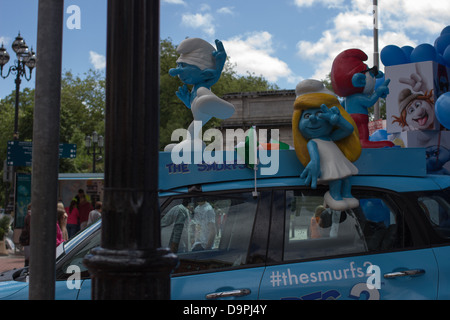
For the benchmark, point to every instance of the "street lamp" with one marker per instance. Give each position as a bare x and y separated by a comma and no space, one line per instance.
93,142
25,58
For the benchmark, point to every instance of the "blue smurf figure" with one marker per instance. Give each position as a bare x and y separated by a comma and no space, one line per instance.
200,66
353,80
326,142
437,157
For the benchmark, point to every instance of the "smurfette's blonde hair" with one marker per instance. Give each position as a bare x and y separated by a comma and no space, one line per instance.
350,145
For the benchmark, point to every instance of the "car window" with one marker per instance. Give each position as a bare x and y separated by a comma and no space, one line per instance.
314,231
437,209
209,232
76,260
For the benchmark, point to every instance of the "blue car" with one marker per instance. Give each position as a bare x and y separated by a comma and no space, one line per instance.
241,235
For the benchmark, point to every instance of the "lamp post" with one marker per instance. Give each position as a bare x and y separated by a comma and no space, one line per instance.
25,58
93,142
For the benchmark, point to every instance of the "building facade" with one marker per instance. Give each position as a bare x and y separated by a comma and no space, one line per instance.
264,110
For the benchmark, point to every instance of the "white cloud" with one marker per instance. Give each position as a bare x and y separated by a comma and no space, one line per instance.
226,10
327,3
200,21
175,2
4,40
399,22
97,60
254,53
416,16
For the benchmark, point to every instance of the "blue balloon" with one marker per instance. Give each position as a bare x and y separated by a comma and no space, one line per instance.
440,59
445,30
392,55
442,109
446,56
407,50
442,43
379,135
423,52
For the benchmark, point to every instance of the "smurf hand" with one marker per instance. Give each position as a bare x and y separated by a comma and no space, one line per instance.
331,115
311,174
213,75
184,95
312,170
383,90
220,55
417,82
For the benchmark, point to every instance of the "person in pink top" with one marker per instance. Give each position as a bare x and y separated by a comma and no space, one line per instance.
59,236
73,219
84,207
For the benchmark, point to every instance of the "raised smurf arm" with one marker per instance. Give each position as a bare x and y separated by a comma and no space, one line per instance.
334,117
220,57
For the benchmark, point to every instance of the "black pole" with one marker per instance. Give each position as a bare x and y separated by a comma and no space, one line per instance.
46,150
130,263
16,110
376,54
93,157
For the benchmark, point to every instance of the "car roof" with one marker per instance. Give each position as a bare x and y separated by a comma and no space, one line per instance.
399,169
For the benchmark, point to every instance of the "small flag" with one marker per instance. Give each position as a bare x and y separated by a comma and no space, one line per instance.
249,149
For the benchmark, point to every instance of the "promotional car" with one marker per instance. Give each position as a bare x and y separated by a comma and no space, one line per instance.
242,235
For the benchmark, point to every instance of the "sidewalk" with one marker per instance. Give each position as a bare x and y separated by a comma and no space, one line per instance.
11,261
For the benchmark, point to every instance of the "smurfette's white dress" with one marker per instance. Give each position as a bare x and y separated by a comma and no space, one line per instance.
333,164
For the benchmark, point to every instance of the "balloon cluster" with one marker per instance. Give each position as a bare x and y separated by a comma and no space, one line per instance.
439,52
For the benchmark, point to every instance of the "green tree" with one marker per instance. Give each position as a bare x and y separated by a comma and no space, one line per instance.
82,112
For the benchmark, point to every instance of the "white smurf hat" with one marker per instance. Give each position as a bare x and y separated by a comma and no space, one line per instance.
197,52
311,86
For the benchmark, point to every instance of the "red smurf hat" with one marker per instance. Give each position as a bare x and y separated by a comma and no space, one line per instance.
345,65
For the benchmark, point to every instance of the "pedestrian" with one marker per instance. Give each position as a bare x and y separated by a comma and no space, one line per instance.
73,219
95,214
175,225
205,226
62,221
24,238
84,208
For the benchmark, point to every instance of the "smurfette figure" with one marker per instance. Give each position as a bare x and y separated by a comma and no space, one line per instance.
326,142
200,65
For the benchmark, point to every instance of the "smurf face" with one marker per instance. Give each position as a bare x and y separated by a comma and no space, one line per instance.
187,73
419,115
312,126
372,75
436,157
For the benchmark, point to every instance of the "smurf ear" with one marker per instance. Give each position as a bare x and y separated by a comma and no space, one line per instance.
359,80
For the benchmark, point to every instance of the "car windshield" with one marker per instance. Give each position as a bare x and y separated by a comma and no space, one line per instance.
436,206
67,246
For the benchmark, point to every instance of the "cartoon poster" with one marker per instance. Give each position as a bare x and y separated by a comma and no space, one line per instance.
412,93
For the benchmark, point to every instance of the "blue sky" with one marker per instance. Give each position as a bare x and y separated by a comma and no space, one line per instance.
284,40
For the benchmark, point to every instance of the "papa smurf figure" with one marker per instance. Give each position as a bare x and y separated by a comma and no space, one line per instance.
326,142
353,80
200,65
